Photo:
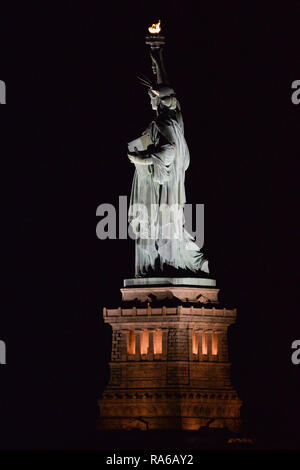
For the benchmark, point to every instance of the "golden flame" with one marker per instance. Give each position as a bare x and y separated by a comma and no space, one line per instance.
155,28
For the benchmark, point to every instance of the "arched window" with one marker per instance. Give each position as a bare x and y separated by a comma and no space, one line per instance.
157,341
144,341
195,342
204,343
214,344
131,342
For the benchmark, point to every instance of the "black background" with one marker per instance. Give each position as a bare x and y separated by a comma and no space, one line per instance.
73,104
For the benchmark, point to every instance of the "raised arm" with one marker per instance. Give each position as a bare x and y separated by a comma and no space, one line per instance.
159,66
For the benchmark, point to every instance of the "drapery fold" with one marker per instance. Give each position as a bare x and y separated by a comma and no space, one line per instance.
157,201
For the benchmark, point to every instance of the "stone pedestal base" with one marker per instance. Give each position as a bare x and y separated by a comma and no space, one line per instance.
185,410
170,281
169,364
181,294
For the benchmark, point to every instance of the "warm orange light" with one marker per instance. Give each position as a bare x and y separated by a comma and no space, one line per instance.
204,343
130,342
214,344
155,28
144,341
157,341
195,342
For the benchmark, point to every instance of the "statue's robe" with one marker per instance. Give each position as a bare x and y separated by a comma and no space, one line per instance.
160,189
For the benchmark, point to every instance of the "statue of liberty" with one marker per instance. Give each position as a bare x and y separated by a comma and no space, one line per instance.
161,157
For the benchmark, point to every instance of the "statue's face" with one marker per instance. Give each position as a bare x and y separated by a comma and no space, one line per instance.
154,103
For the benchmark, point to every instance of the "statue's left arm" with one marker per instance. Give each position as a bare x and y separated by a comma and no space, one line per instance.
141,160
163,154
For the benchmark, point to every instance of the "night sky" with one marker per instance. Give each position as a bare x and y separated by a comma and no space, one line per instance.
73,104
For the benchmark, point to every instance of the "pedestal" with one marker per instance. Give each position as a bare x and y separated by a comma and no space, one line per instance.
169,365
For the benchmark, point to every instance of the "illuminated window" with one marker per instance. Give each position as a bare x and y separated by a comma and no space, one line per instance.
157,341
204,343
195,342
131,342
144,341
214,344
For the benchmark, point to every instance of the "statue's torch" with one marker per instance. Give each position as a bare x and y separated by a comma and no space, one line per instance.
156,42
